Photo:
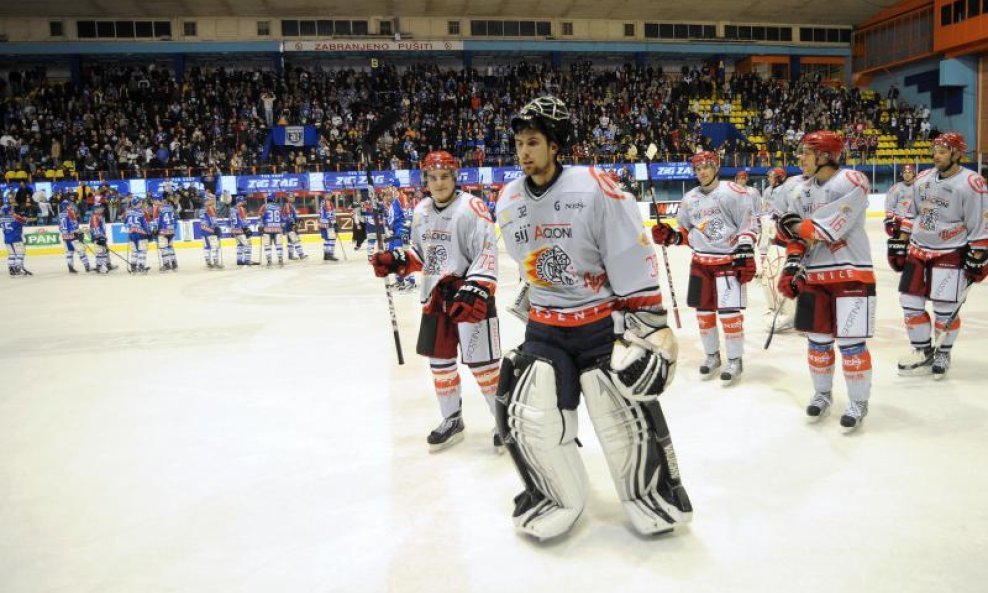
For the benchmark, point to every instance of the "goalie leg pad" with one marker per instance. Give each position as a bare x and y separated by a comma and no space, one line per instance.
639,452
541,439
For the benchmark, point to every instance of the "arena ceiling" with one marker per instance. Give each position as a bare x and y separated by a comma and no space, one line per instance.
813,12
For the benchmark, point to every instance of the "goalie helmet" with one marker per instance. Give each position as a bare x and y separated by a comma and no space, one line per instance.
825,143
951,140
705,157
548,115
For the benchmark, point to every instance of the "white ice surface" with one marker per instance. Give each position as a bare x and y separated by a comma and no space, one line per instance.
249,430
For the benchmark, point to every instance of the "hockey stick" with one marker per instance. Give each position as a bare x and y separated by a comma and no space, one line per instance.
386,121
942,336
650,153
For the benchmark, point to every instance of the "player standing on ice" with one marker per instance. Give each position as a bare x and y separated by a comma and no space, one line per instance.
289,222
68,226
12,224
240,229
454,246
715,220
828,268
597,326
327,228
897,200
395,232
270,224
943,239
97,232
211,234
138,230
165,220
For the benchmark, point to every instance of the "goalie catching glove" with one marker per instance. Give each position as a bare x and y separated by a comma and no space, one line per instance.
390,262
643,361
470,303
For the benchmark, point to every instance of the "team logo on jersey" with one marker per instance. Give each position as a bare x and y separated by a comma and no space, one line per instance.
929,217
480,209
435,260
550,266
978,184
713,229
594,282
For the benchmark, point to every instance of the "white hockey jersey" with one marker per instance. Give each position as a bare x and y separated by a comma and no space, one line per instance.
581,247
717,222
898,198
785,193
834,223
946,214
455,241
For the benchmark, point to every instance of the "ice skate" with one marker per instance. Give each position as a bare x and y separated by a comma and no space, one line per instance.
448,433
710,364
325,257
72,269
292,256
819,406
941,364
918,362
498,443
731,373
854,414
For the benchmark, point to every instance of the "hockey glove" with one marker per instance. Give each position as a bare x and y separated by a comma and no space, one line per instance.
891,225
897,249
664,234
389,262
643,361
976,264
101,241
249,233
470,303
793,278
788,226
80,236
744,263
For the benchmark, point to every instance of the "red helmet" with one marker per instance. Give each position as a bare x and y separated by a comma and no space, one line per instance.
705,157
825,143
908,169
439,159
741,174
951,140
779,173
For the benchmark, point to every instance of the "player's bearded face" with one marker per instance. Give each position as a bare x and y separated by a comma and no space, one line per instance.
441,184
808,161
908,176
535,154
706,174
943,158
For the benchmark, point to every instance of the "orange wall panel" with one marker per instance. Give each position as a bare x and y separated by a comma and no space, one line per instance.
970,31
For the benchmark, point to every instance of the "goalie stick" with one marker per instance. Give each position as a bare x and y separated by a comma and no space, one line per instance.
386,120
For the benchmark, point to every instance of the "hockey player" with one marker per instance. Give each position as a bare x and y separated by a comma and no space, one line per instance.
943,239
270,223
240,229
597,326
781,312
372,213
139,229
165,223
68,226
395,233
453,245
289,223
828,267
211,234
97,232
327,228
13,236
715,220
896,201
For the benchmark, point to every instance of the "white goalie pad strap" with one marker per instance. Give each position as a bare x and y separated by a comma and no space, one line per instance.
635,456
544,435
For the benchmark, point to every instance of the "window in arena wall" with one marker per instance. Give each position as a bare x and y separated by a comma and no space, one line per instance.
125,29
453,27
189,29
308,28
384,28
143,29
105,29
568,28
162,29
56,29
263,28
973,8
629,29
359,28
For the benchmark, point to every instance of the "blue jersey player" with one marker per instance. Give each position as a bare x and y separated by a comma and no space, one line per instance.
138,230
12,224
211,234
165,221
327,228
289,223
97,232
397,229
68,226
270,222
240,229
